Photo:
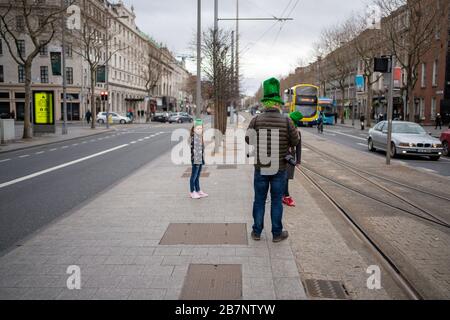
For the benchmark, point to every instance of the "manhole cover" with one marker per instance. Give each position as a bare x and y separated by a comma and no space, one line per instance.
227,167
326,289
202,175
212,282
205,234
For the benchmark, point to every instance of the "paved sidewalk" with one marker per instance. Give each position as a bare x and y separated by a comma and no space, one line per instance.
114,239
74,132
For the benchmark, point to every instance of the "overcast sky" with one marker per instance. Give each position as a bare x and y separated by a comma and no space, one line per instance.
267,48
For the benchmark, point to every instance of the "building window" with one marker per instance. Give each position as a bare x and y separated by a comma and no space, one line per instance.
69,75
20,74
20,23
44,74
68,49
423,75
422,108
435,73
44,50
21,48
2,79
433,109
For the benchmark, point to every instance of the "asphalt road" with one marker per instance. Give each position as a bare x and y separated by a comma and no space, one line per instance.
357,139
40,184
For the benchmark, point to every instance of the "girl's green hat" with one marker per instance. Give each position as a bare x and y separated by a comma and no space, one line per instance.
198,122
296,117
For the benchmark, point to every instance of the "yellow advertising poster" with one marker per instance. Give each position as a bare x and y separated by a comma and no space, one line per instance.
43,106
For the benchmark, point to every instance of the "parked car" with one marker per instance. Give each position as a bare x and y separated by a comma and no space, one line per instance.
161,117
408,138
180,117
116,118
445,139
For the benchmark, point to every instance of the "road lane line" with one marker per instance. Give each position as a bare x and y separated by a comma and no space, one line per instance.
54,149
348,135
39,173
40,152
24,156
4,160
64,147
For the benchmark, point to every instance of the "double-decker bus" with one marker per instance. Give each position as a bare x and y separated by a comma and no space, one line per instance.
305,99
329,109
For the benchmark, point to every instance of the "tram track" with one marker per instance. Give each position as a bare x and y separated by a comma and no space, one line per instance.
399,269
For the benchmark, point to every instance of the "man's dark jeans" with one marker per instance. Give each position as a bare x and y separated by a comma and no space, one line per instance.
277,185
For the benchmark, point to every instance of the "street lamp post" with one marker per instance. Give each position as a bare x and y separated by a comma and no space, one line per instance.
63,71
199,59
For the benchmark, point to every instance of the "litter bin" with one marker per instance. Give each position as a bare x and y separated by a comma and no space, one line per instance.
7,130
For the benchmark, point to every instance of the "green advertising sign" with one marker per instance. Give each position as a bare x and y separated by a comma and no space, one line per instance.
101,74
55,59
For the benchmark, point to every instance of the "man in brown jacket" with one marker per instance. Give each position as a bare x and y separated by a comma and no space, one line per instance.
271,134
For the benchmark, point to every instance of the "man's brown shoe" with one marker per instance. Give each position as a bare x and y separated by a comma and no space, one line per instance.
256,237
283,236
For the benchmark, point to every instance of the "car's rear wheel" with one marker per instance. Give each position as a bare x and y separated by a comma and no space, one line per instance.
445,146
122,121
370,145
393,150
180,121
191,120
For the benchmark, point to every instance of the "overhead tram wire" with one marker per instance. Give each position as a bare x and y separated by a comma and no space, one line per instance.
284,22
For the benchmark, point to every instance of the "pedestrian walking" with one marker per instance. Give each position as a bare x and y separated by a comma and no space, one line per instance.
362,119
197,160
88,116
293,160
438,121
270,173
320,122
335,118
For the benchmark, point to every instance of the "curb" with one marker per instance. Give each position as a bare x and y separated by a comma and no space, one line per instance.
53,142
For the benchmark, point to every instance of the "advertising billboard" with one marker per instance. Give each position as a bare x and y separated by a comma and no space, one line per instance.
43,111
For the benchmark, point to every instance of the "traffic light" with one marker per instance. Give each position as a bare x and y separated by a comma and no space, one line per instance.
382,64
104,95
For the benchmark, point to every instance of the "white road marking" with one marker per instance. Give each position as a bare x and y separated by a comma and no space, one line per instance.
349,135
24,156
75,144
133,142
329,134
429,170
140,140
40,152
65,147
4,160
54,149
362,144
146,138
39,173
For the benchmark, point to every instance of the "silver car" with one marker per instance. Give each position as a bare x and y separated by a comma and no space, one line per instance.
408,138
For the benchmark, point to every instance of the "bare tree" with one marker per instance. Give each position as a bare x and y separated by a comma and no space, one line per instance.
409,28
367,44
217,66
90,43
339,63
33,20
153,69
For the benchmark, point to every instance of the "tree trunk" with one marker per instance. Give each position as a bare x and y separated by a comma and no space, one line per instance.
342,106
410,102
27,109
93,109
369,104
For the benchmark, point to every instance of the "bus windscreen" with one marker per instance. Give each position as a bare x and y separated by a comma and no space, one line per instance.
307,111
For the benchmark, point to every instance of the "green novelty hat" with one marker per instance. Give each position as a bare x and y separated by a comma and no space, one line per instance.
296,117
271,89
198,122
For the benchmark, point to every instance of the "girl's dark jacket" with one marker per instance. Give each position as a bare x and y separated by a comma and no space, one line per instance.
192,150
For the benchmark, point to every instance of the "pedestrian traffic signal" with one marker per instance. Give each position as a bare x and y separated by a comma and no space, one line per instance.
104,95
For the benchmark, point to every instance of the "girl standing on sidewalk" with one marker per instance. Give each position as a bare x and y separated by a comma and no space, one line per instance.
296,155
197,159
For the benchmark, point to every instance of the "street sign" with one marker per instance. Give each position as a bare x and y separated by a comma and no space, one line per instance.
359,81
43,112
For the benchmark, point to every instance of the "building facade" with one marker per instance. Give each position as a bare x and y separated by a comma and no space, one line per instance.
127,47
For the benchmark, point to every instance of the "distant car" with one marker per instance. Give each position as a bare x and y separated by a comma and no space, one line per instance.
116,118
408,138
445,139
180,117
161,117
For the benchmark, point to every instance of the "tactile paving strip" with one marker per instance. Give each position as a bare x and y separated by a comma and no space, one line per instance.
205,234
212,282
326,289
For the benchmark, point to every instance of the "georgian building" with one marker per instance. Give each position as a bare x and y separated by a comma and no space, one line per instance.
127,47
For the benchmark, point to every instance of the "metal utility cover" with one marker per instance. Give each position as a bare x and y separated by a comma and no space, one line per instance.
326,289
212,282
205,234
227,167
202,175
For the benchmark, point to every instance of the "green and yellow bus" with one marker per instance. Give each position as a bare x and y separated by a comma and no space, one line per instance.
304,98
